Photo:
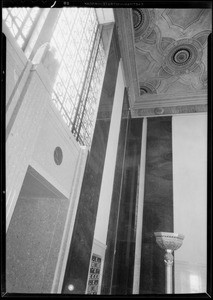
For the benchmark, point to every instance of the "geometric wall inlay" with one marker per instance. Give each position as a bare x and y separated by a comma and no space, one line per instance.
163,74
202,37
165,42
143,24
184,17
182,56
151,38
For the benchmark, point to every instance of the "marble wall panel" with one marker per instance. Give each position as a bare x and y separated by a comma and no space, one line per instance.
81,244
125,242
158,203
114,210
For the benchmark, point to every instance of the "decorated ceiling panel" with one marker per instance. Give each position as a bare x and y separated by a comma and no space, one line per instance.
170,54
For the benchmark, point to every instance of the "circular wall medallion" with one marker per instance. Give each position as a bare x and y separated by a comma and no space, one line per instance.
182,56
158,110
58,155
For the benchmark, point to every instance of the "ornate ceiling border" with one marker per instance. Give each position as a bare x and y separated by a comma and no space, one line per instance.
162,111
161,100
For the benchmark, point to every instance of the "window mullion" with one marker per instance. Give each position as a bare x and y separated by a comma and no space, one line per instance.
90,79
85,79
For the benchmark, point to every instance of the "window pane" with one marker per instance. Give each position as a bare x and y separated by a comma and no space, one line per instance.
20,22
76,38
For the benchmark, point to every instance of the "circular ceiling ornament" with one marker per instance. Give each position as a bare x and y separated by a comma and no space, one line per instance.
146,88
182,56
138,18
142,22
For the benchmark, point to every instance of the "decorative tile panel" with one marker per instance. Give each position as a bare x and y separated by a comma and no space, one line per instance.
94,274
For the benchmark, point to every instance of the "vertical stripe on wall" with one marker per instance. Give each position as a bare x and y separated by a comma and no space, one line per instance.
158,203
102,219
125,243
114,210
81,244
139,219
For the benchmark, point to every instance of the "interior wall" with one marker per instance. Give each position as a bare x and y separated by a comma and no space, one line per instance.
101,233
125,231
35,128
34,237
158,203
106,285
81,245
52,134
190,201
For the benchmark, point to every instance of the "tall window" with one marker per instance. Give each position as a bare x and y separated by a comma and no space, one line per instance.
79,49
20,22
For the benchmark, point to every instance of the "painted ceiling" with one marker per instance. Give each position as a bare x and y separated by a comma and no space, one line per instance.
164,53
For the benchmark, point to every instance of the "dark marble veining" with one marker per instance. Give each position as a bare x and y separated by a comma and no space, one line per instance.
158,203
114,210
81,244
125,241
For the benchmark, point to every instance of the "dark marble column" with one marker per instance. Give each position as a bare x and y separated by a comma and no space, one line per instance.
114,210
158,203
123,267
81,244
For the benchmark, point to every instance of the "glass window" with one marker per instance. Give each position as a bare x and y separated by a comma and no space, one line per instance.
20,21
80,52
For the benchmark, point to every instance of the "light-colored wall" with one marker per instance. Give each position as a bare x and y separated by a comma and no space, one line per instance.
35,128
52,134
104,204
189,135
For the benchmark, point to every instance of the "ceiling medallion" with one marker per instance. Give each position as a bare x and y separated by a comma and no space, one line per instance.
138,18
182,56
146,88
143,24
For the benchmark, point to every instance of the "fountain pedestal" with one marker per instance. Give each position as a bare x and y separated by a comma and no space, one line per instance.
170,242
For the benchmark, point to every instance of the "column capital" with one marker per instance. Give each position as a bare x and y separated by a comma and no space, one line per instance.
168,258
